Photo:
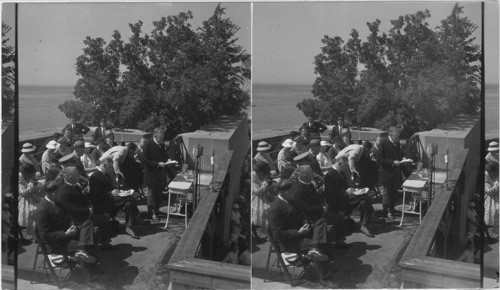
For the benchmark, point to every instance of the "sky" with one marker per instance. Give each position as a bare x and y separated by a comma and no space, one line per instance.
287,36
51,35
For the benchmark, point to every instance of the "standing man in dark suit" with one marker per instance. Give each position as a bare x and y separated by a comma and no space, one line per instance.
315,128
77,129
336,133
154,160
287,225
389,160
100,132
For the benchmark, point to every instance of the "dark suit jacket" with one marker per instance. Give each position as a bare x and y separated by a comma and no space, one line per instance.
315,128
99,134
79,167
335,194
52,222
336,133
284,222
100,193
307,200
386,155
79,129
72,201
154,175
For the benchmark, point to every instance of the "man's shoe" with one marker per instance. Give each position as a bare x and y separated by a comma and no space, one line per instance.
108,247
84,257
96,285
131,232
329,284
390,215
318,254
155,217
367,232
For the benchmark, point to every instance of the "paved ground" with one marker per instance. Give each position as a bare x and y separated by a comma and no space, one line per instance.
490,276
370,263
135,265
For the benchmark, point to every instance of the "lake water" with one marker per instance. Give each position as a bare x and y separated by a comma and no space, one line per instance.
273,106
38,107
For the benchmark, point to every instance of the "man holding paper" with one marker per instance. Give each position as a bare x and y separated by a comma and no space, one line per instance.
389,159
155,159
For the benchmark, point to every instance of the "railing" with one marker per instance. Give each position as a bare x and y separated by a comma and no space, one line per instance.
187,269
441,233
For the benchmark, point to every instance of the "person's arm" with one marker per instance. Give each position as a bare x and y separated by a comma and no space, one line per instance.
85,129
117,160
322,128
353,158
43,225
277,225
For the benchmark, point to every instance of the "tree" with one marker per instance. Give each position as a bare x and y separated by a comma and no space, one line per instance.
8,76
412,77
174,77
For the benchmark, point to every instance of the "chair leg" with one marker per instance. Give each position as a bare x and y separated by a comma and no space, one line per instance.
34,264
168,210
268,260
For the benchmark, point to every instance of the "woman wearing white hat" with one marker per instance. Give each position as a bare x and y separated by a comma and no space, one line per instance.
323,159
263,156
48,158
284,156
27,157
491,203
87,160
492,155
30,194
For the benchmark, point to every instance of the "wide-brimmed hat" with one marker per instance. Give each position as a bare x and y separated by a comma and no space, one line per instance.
28,147
314,143
263,146
67,158
79,144
326,143
288,143
240,198
89,145
301,157
472,204
493,147
345,131
236,206
52,144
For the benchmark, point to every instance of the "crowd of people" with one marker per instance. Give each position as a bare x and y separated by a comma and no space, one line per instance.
79,187
306,197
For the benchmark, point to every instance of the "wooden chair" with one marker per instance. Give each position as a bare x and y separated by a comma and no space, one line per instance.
283,265
48,266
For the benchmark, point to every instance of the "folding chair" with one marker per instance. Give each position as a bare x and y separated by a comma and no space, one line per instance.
48,265
284,265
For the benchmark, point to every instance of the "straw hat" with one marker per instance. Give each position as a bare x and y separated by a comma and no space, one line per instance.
325,143
493,147
263,146
28,147
472,204
89,145
52,144
288,143
67,158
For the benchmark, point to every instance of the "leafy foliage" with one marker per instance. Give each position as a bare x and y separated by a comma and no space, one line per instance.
413,77
175,77
8,80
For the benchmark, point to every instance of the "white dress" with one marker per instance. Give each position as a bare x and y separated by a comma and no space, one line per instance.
491,205
260,202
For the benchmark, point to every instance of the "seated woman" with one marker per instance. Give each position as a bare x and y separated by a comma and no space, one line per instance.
30,193
263,191
491,205
27,157
263,155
